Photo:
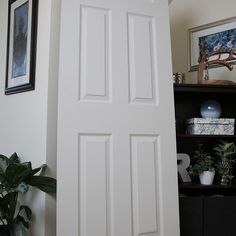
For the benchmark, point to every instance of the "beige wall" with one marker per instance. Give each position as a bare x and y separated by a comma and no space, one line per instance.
28,120
186,14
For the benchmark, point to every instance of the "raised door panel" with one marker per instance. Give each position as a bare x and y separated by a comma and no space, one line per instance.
95,64
95,185
144,162
142,58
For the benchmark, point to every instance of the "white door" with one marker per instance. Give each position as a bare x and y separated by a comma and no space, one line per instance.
116,139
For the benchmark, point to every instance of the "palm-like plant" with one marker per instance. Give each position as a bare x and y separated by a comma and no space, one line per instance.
226,153
15,178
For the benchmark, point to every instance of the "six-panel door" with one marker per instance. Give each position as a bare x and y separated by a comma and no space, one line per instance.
116,141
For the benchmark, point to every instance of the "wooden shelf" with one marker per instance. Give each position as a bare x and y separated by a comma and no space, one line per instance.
200,88
200,186
187,136
195,189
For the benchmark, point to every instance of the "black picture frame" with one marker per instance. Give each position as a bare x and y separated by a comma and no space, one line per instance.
21,46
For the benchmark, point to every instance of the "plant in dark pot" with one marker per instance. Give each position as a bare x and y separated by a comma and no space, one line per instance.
15,179
226,153
204,166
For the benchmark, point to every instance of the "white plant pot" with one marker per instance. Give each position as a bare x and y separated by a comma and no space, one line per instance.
207,177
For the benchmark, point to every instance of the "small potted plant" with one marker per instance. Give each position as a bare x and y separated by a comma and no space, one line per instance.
15,179
204,166
226,153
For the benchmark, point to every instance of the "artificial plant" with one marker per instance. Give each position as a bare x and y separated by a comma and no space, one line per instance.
226,153
15,179
202,162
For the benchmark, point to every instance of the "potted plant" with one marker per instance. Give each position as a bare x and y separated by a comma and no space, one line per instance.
204,166
15,179
225,152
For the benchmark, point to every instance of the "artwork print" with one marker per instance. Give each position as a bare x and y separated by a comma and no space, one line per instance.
21,46
213,36
221,40
19,59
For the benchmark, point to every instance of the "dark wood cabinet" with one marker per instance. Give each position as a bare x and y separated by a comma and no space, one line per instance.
191,216
219,216
204,210
208,216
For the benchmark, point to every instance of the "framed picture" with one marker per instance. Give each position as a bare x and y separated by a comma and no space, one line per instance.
220,34
21,46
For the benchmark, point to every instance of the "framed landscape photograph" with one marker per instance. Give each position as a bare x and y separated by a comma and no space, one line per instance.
214,36
21,46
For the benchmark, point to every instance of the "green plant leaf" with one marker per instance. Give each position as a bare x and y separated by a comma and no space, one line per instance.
2,189
202,161
14,158
15,178
27,211
36,170
19,227
44,183
18,172
15,173
4,161
225,150
4,209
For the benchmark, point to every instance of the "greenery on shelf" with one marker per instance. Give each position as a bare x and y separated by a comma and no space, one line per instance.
226,153
15,179
202,162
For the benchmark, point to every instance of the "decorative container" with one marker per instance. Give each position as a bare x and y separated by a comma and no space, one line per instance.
179,78
207,177
210,109
226,172
210,126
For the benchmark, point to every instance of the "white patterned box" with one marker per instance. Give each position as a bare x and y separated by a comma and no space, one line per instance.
210,126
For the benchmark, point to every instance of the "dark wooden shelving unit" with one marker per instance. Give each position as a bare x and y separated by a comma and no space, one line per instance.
188,99
204,210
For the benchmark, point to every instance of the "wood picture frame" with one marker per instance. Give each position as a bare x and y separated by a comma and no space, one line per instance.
21,46
220,34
